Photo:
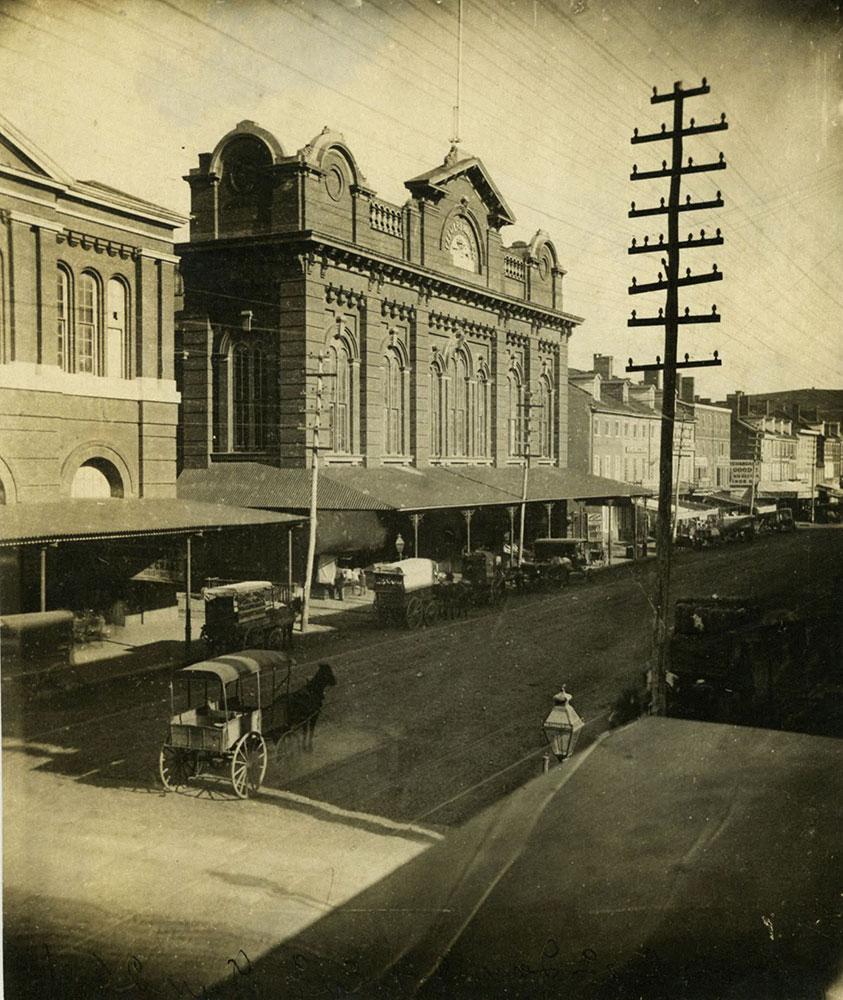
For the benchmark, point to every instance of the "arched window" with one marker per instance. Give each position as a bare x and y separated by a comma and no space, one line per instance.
545,416
117,340
63,317
341,407
458,415
248,397
517,442
96,479
482,415
394,403
437,408
88,325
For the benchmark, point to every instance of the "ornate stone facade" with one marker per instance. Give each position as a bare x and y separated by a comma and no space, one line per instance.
439,344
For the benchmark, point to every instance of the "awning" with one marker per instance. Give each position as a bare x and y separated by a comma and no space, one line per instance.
87,520
394,487
793,489
832,491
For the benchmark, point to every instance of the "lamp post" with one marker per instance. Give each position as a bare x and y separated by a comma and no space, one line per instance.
562,726
399,546
416,519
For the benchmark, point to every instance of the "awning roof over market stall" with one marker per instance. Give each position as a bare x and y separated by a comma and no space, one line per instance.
792,488
394,488
73,520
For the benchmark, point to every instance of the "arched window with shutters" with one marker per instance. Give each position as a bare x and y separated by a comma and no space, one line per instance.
117,329
545,417
248,397
64,317
515,385
341,405
395,403
483,413
458,409
88,324
437,408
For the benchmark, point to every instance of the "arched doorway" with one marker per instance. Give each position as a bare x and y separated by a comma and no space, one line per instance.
96,479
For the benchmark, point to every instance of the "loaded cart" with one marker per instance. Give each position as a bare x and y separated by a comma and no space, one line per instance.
222,712
247,614
405,592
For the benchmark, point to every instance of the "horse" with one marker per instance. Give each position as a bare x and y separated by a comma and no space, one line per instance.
305,704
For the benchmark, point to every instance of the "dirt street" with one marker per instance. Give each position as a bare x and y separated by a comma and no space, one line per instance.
103,870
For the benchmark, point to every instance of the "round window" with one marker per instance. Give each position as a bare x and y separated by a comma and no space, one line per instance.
335,183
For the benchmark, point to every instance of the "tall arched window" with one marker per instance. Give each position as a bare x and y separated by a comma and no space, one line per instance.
248,397
341,408
88,325
481,433
458,416
545,416
63,316
437,408
116,343
394,403
517,442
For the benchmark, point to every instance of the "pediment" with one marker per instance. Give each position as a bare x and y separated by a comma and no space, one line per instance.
434,184
17,152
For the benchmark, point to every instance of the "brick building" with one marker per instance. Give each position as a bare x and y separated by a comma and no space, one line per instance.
88,400
446,352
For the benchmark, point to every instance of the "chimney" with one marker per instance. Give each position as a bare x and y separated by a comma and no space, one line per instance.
796,411
766,407
604,363
686,388
653,378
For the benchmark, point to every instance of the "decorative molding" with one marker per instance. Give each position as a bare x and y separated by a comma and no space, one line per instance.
111,247
345,296
514,267
398,310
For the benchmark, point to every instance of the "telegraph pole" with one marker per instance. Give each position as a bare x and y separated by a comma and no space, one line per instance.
316,427
669,318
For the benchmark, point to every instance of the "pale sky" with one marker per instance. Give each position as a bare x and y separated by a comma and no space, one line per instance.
129,92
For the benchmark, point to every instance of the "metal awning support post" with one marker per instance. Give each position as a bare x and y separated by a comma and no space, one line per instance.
609,535
468,514
634,528
289,564
511,512
549,508
416,519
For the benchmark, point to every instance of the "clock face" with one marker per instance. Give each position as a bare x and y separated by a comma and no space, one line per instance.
461,246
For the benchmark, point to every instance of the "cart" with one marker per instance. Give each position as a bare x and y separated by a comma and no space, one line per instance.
249,614
485,579
560,560
230,706
405,592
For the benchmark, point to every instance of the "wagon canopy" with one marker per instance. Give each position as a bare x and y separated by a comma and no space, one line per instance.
236,665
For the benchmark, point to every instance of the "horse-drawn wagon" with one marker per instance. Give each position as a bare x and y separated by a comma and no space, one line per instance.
406,592
485,580
250,614
224,711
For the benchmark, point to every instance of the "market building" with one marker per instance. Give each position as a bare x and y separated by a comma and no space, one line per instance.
89,517
443,352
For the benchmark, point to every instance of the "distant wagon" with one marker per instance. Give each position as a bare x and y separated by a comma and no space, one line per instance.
250,614
37,641
406,592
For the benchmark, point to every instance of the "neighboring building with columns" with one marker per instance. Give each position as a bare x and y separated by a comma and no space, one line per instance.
89,402
445,351
89,517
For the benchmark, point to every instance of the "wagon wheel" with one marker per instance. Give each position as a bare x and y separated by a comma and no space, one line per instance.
253,638
276,639
414,612
430,612
176,765
248,764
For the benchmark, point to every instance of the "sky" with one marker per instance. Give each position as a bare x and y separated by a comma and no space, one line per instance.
129,92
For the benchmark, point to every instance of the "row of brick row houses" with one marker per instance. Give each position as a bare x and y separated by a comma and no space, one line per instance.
157,402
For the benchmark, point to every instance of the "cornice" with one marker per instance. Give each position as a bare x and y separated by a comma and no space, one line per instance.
381,268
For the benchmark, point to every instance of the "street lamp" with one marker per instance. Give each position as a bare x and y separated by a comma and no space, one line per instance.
399,546
562,726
